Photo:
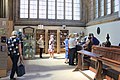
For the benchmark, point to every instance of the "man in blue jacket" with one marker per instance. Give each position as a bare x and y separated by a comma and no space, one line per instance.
94,39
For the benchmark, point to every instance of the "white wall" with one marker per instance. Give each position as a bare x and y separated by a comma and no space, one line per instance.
76,29
112,28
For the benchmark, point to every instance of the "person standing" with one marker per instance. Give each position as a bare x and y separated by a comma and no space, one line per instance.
51,46
15,52
72,49
41,45
66,49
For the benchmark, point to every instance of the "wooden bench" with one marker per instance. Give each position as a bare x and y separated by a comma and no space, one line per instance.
111,59
105,66
81,63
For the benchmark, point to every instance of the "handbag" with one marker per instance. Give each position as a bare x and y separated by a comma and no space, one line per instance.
21,70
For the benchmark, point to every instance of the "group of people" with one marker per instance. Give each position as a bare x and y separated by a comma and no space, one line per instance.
73,44
91,40
40,42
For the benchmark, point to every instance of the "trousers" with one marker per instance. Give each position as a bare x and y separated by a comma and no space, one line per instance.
14,59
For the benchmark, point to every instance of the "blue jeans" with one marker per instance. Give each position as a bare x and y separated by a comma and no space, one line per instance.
66,54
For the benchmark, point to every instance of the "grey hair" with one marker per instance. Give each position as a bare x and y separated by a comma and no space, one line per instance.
51,36
14,33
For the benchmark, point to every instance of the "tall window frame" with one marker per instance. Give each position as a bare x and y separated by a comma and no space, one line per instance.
102,8
24,9
51,9
76,10
116,5
60,9
68,9
33,9
96,8
42,9
108,8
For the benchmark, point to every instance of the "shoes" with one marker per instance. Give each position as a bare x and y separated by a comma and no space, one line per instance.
66,62
51,58
72,64
41,57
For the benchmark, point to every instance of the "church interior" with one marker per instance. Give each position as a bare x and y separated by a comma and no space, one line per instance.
61,18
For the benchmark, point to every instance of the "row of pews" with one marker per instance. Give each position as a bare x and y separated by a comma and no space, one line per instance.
111,60
104,61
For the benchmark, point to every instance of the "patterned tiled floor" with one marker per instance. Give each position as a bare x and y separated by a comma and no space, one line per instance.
50,69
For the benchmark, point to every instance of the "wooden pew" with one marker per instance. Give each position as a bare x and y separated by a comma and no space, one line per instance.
108,60
80,64
111,59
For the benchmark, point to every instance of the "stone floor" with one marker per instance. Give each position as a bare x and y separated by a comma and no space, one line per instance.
50,69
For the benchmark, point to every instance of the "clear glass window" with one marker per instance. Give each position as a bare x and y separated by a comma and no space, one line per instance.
102,7
116,5
96,10
51,9
108,6
68,9
60,9
42,9
76,9
33,8
24,9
